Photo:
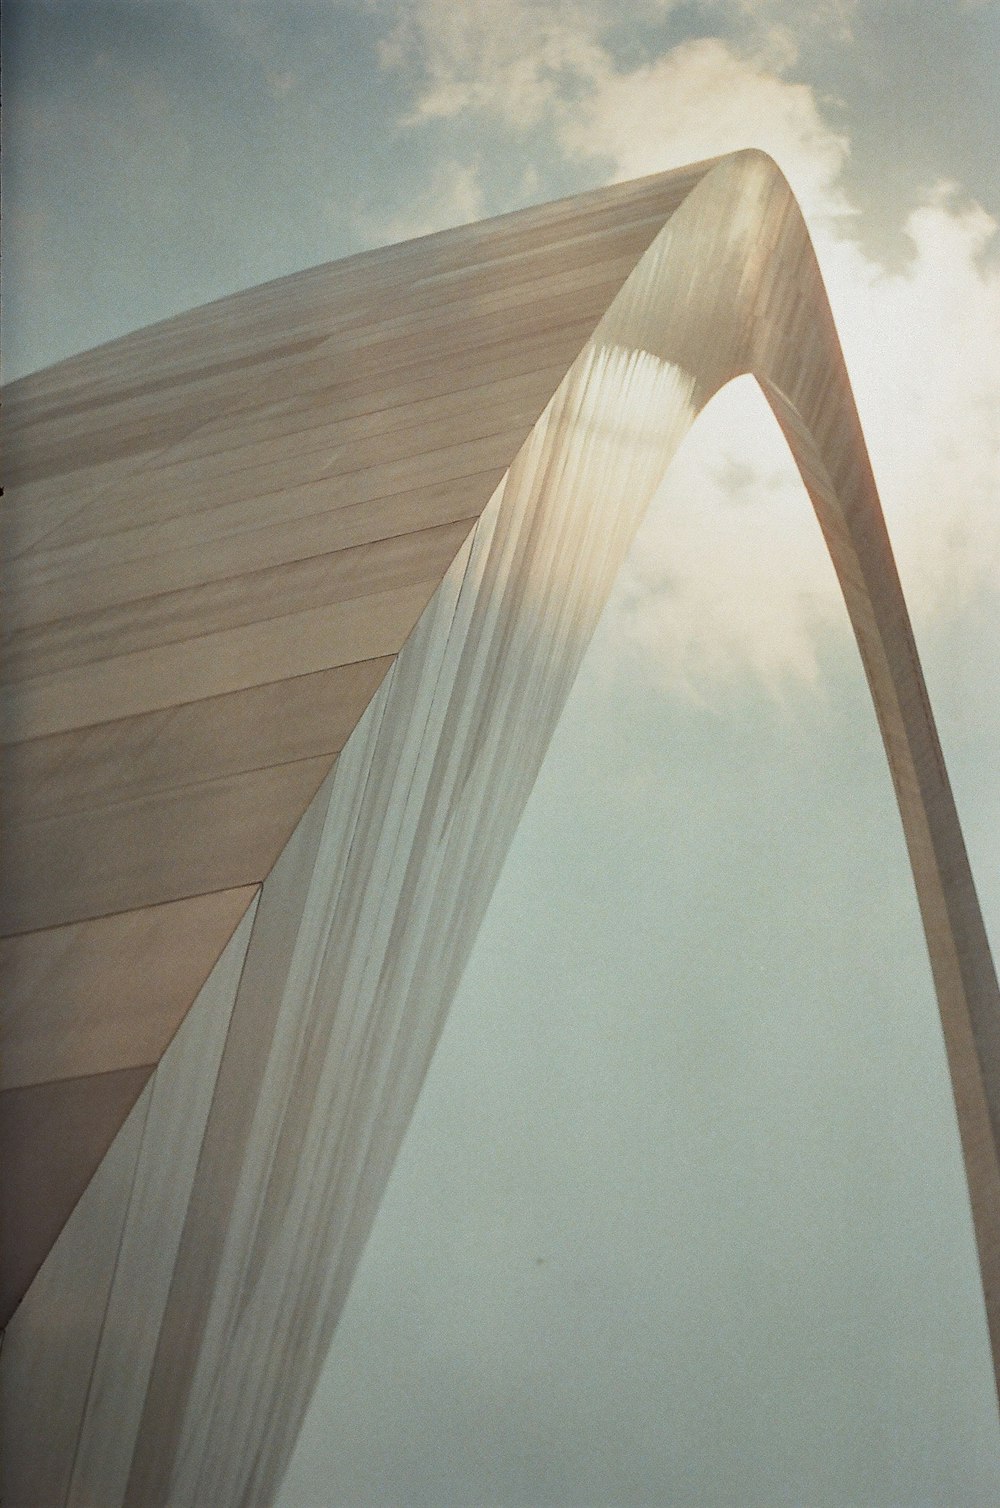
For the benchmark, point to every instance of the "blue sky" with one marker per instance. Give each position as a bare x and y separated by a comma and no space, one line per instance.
681,1217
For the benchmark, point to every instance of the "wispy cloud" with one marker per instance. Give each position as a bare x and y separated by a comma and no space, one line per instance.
512,59
453,196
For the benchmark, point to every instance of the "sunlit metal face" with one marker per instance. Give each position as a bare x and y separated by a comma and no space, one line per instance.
333,999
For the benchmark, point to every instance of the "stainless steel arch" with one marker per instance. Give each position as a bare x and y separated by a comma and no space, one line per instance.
242,1223
771,318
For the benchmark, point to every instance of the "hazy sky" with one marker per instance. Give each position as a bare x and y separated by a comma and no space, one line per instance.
681,1217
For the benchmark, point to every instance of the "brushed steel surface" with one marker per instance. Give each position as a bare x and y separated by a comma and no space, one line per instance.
505,397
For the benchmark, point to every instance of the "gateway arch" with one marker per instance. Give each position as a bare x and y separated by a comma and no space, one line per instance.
297,584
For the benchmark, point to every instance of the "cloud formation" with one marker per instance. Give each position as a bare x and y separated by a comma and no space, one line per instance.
516,61
730,574
699,100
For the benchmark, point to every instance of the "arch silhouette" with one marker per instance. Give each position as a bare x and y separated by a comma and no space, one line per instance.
391,634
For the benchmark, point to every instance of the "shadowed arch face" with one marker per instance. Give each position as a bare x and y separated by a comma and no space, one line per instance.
391,634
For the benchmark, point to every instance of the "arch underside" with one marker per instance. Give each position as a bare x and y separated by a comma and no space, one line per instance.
239,1194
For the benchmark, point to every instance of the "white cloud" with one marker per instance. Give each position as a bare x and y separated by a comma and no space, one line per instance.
702,99
520,60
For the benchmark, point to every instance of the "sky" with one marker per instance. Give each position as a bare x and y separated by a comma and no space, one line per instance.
681,1216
